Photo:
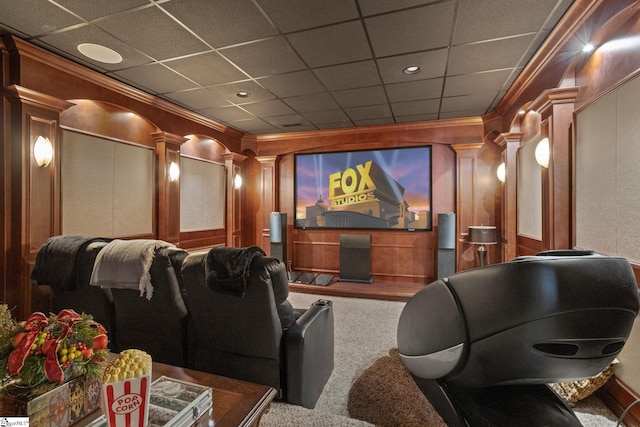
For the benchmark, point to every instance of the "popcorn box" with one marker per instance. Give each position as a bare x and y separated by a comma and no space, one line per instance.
126,403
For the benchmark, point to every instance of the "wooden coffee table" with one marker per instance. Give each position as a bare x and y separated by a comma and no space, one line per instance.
235,403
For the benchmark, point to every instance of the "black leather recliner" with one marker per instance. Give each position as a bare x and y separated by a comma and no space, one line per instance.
249,331
483,344
64,263
157,325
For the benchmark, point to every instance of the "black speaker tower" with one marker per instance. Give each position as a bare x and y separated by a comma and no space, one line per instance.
278,235
446,244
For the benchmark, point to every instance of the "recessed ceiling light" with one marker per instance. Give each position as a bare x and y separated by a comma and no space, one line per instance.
413,69
243,94
100,53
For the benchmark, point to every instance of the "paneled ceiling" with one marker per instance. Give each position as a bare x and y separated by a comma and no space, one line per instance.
306,64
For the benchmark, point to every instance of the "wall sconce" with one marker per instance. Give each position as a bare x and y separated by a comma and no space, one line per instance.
43,151
174,172
543,153
482,235
237,181
501,172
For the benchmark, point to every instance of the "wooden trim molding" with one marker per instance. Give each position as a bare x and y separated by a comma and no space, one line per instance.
618,396
167,151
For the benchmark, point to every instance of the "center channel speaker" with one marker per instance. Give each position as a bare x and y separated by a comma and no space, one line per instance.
355,258
278,235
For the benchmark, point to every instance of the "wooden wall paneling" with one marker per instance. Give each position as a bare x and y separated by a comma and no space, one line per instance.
466,202
201,239
233,223
269,197
316,250
510,143
618,396
35,193
67,80
556,108
168,200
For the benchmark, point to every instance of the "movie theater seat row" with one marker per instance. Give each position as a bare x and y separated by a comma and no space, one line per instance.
223,311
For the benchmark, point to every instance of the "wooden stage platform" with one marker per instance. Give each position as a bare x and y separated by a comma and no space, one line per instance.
379,289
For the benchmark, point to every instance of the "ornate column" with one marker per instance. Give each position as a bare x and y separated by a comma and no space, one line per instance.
556,107
168,181
509,143
234,198
34,198
466,200
269,197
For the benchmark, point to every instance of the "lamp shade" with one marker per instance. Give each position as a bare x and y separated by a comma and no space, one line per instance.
542,153
43,151
482,234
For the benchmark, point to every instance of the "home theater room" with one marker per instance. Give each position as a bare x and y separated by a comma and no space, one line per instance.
320,212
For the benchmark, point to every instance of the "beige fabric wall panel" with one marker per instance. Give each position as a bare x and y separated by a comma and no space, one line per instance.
202,195
607,174
607,194
87,185
107,187
596,200
133,190
529,192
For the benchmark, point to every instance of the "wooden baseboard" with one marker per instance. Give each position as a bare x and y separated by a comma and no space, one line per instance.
618,396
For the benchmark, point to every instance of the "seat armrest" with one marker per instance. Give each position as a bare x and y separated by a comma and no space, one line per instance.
309,346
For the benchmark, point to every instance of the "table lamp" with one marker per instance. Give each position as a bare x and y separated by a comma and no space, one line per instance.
482,235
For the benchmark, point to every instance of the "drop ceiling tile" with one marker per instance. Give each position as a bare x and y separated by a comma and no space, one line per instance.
361,97
416,118
271,108
412,108
418,89
494,55
155,78
294,15
476,101
332,45
369,112
41,17
461,114
228,92
374,122
530,18
349,76
223,22
374,7
432,63
427,27
253,125
329,116
336,125
68,41
265,57
206,69
293,84
313,102
160,37
198,99
291,123
469,83
227,114
92,9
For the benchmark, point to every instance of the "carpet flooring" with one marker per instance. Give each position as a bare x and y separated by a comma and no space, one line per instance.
365,334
